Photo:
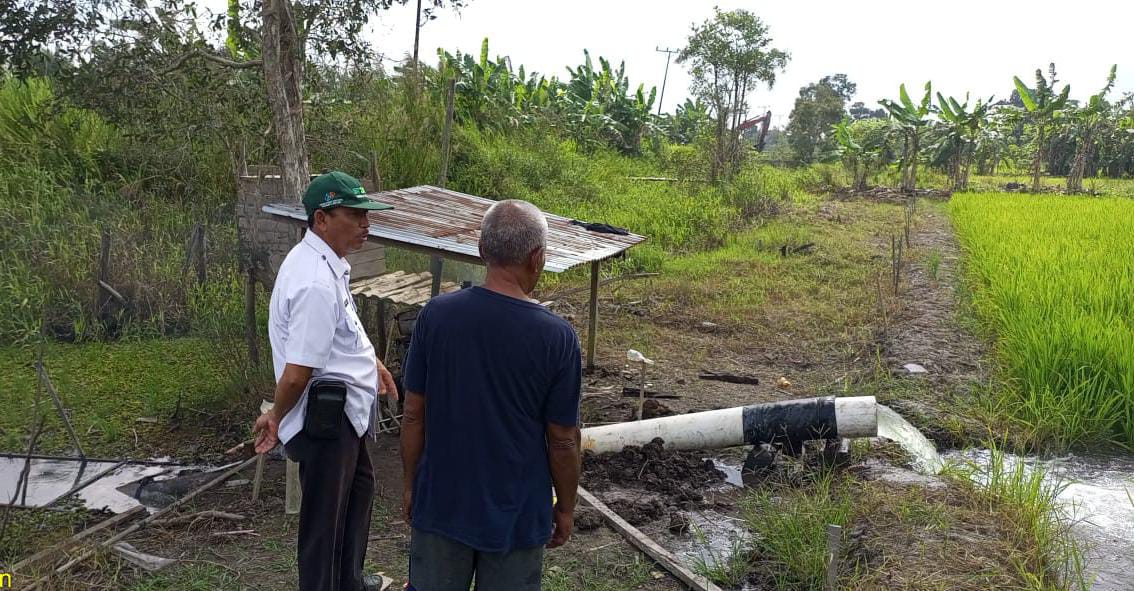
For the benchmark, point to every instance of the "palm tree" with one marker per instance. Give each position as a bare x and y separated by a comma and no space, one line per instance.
911,119
1042,106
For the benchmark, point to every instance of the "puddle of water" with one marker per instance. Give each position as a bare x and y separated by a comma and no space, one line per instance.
1099,498
712,538
731,472
892,426
51,478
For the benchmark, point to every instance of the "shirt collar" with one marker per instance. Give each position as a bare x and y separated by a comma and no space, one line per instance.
339,265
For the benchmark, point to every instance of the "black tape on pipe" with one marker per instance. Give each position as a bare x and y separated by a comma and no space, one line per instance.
790,422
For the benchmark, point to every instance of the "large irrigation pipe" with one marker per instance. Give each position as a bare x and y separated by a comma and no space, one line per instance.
790,421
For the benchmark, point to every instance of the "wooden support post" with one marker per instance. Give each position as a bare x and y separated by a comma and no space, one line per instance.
381,324
592,322
645,544
375,174
446,132
250,337
103,273
293,494
201,250
436,263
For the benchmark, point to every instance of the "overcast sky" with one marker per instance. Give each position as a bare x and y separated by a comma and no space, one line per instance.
974,46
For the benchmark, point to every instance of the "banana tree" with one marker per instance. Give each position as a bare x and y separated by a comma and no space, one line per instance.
911,119
1088,120
962,133
482,84
1043,106
862,146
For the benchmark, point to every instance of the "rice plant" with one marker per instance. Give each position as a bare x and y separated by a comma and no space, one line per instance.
1053,277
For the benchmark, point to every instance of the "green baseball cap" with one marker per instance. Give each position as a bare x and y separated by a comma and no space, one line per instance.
338,189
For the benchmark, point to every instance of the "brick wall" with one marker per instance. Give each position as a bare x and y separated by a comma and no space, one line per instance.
264,239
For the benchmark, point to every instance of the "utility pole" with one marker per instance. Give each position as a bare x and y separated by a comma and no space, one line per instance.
668,55
416,33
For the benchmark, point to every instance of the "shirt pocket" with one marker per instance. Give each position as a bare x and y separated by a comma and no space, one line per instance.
350,322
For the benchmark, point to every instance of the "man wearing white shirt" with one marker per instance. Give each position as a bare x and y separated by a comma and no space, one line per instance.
327,382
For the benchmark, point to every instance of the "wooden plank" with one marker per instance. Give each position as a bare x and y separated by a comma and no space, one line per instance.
592,322
144,522
650,547
71,541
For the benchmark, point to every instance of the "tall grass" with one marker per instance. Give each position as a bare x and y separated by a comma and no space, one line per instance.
1053,277
1049,557
789,528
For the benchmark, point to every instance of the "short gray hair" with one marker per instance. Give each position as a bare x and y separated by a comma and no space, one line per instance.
510,231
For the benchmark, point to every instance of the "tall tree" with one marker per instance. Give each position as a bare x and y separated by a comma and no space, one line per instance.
729,55
1043,106
820,106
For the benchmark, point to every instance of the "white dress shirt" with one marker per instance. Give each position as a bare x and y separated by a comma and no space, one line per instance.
312,322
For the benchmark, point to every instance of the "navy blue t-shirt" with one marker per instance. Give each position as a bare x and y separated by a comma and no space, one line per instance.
494,370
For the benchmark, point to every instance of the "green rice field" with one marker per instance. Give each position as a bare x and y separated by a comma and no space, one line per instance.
1053,277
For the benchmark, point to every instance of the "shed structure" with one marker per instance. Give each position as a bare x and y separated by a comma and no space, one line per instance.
446,225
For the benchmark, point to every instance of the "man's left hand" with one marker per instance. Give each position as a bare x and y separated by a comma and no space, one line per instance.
386,383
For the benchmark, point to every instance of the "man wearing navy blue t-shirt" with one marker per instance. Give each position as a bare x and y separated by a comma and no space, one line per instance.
491,421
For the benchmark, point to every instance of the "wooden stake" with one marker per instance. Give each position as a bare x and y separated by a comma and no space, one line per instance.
662,556
46,381
250,317
834,540
592,322
293,493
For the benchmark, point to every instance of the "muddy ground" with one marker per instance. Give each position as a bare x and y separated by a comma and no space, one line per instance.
853,342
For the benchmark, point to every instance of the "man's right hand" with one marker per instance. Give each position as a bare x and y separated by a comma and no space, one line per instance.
564,522
267,430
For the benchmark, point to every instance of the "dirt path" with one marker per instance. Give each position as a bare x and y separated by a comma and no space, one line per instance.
928,329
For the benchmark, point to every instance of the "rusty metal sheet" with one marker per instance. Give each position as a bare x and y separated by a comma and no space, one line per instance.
448,223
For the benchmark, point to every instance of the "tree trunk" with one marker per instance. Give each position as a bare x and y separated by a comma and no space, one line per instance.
1079,164
909,179
283,80
1037,162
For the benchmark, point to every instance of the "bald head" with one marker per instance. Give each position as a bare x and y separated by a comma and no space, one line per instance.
511,231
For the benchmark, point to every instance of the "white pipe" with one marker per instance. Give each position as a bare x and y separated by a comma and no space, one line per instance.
703,430
855,416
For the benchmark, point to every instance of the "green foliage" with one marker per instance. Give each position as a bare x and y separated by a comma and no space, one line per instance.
688,123
819,107
963,128
1050,276
1043,106
729,55
790,528
911,119
595,105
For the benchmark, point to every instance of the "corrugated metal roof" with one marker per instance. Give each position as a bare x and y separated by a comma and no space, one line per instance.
445,222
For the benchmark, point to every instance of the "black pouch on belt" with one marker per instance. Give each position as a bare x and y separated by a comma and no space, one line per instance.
325,402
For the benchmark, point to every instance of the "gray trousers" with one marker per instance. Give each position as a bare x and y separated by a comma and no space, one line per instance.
438,563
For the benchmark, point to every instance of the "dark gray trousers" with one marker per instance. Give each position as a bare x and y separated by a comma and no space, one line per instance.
438,563
334,518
